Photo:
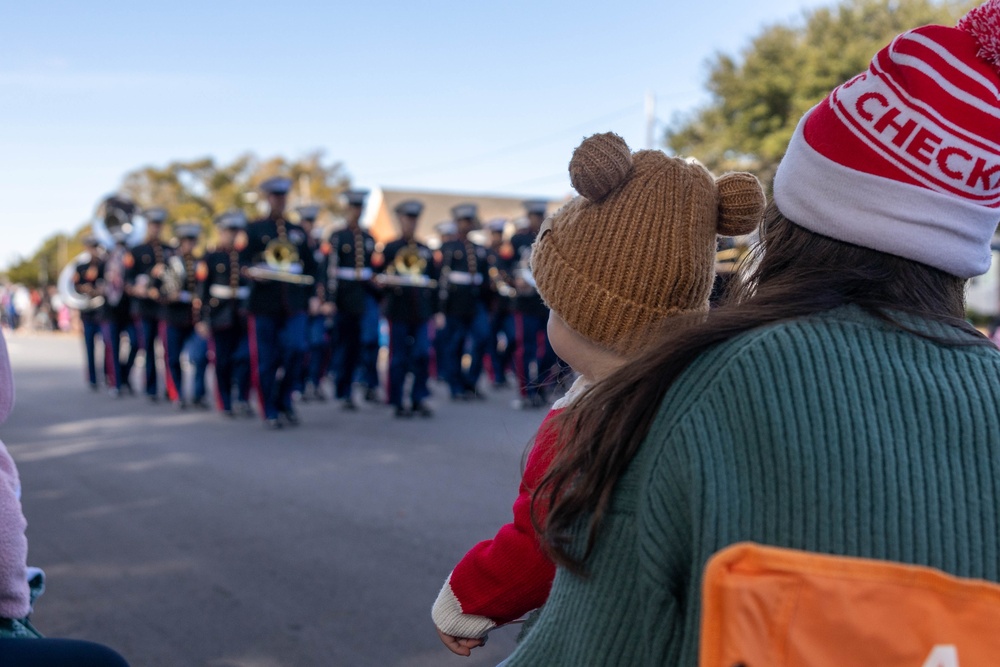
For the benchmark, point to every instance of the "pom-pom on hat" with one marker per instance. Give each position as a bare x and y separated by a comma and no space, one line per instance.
905,157
638,244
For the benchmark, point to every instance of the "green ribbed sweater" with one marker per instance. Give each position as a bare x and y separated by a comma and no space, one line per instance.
835,433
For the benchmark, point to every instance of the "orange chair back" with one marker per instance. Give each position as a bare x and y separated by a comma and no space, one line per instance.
770,607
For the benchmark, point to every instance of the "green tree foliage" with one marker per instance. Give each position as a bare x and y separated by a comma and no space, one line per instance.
757,99
197,191
44,266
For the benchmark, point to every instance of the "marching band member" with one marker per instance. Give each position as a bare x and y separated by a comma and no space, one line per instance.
351,251
410,288
143,266
181,310
501,313
465,291
278,259
534,360
223,291
309,381
118,317
88,278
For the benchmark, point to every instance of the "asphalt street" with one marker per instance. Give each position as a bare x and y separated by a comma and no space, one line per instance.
183,538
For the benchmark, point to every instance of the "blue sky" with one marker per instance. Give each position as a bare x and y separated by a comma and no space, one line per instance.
461,96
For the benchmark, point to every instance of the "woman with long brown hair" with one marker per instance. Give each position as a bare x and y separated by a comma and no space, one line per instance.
839,403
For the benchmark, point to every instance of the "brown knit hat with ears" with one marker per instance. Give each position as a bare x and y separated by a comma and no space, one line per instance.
638,244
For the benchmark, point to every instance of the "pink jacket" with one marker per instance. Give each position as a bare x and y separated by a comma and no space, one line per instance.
14,599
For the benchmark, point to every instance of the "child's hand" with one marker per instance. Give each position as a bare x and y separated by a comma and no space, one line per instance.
460,645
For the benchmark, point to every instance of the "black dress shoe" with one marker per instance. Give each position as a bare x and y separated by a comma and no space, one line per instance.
400,411
272,424
422,410
291,418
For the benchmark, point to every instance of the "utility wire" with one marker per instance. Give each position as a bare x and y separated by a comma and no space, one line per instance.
564,175
464,162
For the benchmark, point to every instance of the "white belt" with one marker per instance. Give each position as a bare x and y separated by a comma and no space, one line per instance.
465,278
354,274
227,292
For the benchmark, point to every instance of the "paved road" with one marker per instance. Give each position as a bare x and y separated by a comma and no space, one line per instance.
181,538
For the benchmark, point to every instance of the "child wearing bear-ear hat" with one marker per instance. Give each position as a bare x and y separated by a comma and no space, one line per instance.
635,248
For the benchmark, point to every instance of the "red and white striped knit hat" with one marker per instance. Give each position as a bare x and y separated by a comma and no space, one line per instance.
905,157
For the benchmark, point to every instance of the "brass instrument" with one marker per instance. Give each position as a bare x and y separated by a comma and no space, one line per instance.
407,269
172,277
117,225
524,280
118,221
280,255
281,259
500,285
67,289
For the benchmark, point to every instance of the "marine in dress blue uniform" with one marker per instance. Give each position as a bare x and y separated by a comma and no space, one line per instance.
316,360
349,273
143,265
88,280
535,361
223,291
447,231
465,295
181,312
277,307
119,318
502,330
409,277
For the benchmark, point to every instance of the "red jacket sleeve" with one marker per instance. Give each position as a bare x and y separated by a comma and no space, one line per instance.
509,575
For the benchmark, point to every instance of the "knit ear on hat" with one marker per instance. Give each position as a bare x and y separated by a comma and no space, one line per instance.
741,203
599,165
